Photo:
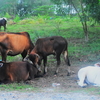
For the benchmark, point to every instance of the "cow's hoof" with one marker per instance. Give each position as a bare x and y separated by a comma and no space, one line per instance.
55,74
45,74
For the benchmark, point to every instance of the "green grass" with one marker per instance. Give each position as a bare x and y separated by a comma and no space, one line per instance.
17,87
92,90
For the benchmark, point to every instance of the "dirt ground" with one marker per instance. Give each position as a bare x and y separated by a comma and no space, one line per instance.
67,88
65,83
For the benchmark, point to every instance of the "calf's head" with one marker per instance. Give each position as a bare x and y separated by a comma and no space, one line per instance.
34,59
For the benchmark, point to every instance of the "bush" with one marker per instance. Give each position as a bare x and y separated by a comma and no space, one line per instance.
7,16
17,19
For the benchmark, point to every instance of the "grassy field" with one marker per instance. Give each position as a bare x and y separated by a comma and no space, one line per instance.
69,28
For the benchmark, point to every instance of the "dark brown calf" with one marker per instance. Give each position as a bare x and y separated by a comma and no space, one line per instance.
46,46
15,43
17,71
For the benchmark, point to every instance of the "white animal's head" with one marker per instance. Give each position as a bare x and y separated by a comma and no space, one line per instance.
97,65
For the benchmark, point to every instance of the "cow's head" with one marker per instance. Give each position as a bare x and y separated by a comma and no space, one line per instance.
34,59
97,65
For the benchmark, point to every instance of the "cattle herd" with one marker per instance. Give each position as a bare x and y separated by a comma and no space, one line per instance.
13,44
20,43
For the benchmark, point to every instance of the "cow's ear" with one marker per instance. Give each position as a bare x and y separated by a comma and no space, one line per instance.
26,58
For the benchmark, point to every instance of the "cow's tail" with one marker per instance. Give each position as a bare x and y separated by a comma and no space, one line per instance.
66,54
67,61
66,58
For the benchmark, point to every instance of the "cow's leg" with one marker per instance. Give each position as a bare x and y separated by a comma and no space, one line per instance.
45,63
4,27
67,62
82,75
24,53
58,62
10,78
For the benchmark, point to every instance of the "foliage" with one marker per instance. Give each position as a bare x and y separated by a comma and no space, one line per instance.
17,18
44,10
93,8
7,16
22,8
29,21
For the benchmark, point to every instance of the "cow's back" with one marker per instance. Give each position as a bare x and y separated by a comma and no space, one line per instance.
51,43
18,41
59,42
90,74
17,71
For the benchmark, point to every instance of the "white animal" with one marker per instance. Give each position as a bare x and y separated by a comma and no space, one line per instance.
89,75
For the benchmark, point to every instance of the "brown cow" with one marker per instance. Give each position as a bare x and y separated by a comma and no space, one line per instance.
17,71
50,45
15,43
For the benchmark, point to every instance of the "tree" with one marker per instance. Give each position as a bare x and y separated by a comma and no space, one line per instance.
21,7
32,7
83,17
93,9
7,6
44,10
80,9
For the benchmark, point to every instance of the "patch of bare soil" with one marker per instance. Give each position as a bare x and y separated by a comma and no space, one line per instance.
66,89
65,83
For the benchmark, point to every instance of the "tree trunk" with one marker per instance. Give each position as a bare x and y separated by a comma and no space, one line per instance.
84,22
85,29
